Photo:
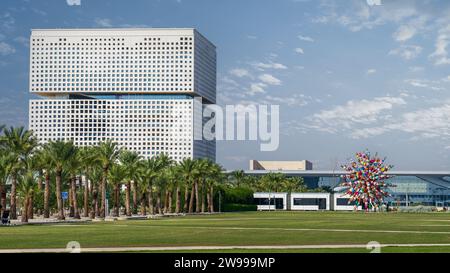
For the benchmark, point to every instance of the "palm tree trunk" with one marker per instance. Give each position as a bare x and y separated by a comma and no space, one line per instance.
71,212
39,182
97,208
24,217
166,201
2,198
158,202
103,195
169,202
127,199
178,200
203,196
38,211
47,195
135,190
186,197
150,199
30,214
211,193
143,207
208,197
13,206
191,201
59,197
116,200
197,199
94,210
76,213
86,198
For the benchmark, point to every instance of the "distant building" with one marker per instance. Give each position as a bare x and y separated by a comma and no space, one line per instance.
302,165
429,188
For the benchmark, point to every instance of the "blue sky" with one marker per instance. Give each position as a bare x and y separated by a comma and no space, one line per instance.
347,75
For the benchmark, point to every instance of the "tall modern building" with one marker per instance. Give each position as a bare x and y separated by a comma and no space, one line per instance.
134,86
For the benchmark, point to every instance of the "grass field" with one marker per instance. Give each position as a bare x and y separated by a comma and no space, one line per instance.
246,229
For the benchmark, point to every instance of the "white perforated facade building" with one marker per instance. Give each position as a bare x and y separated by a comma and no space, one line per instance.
134,86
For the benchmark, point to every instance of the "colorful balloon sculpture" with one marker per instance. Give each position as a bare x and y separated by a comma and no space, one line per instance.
365,180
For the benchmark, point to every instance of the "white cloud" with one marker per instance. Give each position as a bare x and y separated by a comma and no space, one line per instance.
359,16
354,112
440,55
433,85
295,100
371,71
299,50
252,37
423,123
73,2
239,72
103,22
6,49
257,88
306,38
270,65
407,52
269,79
404,33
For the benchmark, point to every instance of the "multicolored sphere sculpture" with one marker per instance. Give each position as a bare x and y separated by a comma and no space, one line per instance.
365,180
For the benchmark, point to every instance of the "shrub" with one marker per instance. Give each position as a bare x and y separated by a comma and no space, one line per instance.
238,207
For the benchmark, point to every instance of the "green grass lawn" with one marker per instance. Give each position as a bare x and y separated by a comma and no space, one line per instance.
246,228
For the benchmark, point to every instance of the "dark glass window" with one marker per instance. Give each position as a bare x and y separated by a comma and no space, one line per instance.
265,201
308,201
344,202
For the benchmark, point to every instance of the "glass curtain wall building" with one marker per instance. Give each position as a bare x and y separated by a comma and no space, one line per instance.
409,187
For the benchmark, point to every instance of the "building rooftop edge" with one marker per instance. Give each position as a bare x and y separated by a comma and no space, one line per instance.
106,28
331,172
194,30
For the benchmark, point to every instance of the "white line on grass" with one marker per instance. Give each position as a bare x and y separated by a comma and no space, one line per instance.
173,248
305,229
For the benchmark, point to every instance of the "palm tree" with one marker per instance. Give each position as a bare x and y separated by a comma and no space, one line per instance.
238,177
26,188
163,161
73,167
215,176
20,143
172,183
5,163
142,193
204,167
293,184
46,165
59,154
187,171
107,153
117,174
175,172
94,176
130,160
271,182
148,172
88,163
200,168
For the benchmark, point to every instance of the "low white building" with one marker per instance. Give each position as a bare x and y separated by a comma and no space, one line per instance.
271,201
310,201
341,202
